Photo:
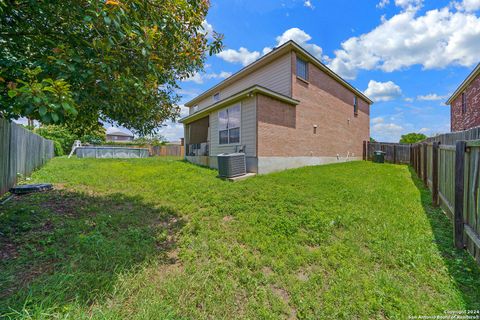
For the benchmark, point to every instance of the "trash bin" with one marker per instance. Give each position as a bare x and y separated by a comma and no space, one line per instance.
379,156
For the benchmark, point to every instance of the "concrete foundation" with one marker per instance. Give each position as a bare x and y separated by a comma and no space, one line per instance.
272,164
263,165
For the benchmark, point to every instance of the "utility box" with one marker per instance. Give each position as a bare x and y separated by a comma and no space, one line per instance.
379,156
231,165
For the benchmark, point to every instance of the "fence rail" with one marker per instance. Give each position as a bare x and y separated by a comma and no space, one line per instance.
21,152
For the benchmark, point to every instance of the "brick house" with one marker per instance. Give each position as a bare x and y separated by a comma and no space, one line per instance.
286,109
465,103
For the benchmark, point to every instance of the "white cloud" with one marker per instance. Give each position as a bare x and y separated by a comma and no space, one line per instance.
408,99
197,78
172,131
308,4
245,57
383,3
467,5
408,4
437,39
383,91
386,131
424,130
207,29
200,78
431,97
377,120
302,38
241,55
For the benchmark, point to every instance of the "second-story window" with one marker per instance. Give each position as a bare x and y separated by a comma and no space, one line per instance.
302,69
195,108
464,103
216,97
355,105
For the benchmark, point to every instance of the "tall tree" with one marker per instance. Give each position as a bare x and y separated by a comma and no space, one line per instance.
412,138
81,61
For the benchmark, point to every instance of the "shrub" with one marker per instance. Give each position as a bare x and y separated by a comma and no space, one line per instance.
59,134
58,149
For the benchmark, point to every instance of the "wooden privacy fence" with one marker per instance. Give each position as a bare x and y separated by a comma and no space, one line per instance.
394,152
167,150
452,173
21,152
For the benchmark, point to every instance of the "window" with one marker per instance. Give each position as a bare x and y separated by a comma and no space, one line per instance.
464,103
229,125
302,69
195,108
355,105
216,97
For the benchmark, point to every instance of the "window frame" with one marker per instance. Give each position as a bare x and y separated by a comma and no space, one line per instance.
355,105
239,105
216,97
299,59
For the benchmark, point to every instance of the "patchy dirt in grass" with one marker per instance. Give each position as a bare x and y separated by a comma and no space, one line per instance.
8,249
228,218
285,297
267,271
32,219
303,274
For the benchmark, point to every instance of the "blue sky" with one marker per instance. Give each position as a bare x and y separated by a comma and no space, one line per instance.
407,55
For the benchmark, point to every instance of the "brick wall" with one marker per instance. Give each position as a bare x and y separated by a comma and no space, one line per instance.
284,130
471,118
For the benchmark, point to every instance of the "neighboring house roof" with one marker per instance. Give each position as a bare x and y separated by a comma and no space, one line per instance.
272,55
119,133
474,74
236,97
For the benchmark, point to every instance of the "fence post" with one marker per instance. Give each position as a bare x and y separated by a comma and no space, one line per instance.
417,160
435,174
410,154
365,150
459,193
394,153
425,173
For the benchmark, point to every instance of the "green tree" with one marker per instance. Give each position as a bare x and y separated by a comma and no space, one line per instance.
61,136
112,60
412,138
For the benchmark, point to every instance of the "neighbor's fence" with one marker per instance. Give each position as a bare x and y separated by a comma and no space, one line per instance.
451,172
21,152
167,150
449,165
394,152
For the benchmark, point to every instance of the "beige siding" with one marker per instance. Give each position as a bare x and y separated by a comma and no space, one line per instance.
275,76
248,130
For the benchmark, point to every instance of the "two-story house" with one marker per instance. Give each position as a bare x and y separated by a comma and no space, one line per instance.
286,110
465,103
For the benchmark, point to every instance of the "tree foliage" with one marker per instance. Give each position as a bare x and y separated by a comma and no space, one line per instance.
64,138
412,138
81,61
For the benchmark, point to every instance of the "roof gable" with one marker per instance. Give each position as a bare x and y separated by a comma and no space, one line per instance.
269,57
472,76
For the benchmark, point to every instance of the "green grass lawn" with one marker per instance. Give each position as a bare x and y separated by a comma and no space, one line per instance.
164,239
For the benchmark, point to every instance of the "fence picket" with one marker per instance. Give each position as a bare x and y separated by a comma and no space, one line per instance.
21,152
